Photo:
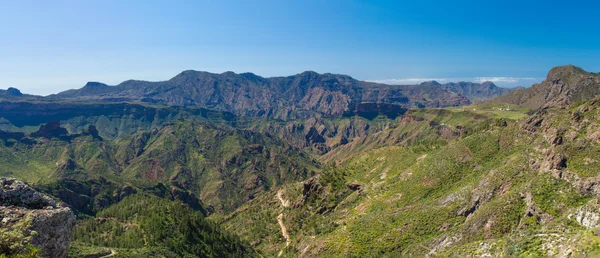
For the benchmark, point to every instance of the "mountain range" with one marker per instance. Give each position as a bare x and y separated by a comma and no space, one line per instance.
304,95
313,165
474,91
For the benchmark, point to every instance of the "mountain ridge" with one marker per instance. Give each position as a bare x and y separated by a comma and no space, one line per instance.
302,95
563,86
476,91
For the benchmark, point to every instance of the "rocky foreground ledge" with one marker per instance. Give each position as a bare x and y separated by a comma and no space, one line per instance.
49,224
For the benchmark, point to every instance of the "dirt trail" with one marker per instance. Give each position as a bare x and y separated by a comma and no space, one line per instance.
284,203
112,253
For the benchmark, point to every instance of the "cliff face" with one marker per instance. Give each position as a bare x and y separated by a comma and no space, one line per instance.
304,95
110,120
474,91
52,223
564,86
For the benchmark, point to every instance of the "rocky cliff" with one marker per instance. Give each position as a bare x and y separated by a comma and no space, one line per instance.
474,91
564,85
48,225
303,95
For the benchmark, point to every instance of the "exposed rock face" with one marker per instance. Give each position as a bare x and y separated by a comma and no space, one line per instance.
53,223
51,129
108,120
563,86
587,215
474,91
372,110
320,134
304,95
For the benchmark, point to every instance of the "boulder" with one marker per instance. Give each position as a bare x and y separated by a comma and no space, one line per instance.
52,223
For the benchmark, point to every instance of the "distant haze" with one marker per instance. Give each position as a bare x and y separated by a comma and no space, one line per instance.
507,82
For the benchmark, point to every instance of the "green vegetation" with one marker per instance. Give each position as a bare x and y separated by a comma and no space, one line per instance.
490,179
472,194
151,225
506,111
15,241
200,163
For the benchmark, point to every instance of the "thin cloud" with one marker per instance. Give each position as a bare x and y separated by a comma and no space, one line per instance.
409,80
502,79
499,79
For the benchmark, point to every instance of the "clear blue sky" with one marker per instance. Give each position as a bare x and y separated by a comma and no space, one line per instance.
50,46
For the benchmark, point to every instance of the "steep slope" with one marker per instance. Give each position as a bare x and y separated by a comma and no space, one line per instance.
525,188
15,94
147,226
563,86
112,120
224,167
202,164
474,91
299,96
11,92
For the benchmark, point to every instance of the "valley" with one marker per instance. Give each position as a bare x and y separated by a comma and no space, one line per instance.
315,165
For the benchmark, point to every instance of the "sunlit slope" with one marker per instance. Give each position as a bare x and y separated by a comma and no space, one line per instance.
206,164
517,188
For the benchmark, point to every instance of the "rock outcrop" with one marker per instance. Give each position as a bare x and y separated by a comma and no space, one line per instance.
52,223
564,85
50,130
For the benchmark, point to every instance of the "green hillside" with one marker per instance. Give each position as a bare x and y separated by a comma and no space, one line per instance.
142,226
205,165
508,189
500,178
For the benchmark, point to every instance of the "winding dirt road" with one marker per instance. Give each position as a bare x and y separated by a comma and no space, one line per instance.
284,203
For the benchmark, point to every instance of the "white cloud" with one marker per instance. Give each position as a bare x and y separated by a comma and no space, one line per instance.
502,79
508,81
409,80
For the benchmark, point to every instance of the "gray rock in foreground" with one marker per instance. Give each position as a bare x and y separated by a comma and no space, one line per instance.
53,223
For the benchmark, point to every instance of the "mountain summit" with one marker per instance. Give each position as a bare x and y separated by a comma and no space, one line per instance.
473,91
302,95
563,86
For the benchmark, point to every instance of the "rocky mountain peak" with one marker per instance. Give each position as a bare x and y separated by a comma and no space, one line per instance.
489,84
564,72
96,88
229,74
563,86
50,130
309,74
13,92
95,84
431,83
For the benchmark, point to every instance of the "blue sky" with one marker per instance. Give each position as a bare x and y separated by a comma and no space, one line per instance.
50,46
